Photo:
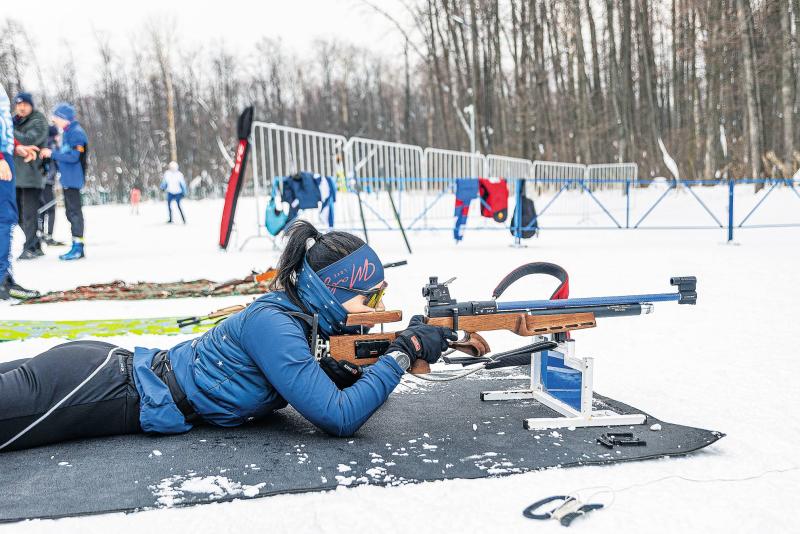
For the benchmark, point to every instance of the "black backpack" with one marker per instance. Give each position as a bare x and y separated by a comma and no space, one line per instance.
83,158
528,220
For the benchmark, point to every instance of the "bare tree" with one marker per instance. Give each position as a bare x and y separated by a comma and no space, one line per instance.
744,17
590,81
162,40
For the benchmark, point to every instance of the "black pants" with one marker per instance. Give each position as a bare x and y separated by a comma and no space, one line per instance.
27,208
47,219
108,404
72,205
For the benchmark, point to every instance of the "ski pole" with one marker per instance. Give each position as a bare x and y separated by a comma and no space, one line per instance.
361,209
397,216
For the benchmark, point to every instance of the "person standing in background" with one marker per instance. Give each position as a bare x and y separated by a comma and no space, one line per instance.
136,198
47,217
175,185
338,173
30,134
71,160
8,203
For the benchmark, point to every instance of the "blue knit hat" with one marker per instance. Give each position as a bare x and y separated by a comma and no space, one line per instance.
24,97
64,111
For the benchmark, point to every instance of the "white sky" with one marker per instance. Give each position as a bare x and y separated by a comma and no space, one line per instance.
238,23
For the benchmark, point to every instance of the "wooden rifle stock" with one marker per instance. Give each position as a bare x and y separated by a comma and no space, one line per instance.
520,323
377,317
365,349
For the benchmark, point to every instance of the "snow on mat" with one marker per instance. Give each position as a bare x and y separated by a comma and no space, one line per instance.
429,432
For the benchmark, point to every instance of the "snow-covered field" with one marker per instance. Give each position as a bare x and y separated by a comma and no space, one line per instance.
730,364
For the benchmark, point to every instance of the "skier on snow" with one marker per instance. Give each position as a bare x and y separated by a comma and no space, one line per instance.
174,184
253,363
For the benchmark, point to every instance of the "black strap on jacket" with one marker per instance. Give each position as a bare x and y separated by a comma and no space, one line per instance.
313,324
162,367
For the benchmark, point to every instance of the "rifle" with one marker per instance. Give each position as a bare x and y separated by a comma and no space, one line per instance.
525,318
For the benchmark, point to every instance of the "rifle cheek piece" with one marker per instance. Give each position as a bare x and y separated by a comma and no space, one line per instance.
687,287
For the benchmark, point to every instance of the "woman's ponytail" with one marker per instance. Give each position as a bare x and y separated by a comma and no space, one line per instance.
304,241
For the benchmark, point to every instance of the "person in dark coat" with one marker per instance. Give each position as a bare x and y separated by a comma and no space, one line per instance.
30,134
251,364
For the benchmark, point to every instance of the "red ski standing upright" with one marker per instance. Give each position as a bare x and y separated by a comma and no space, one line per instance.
243,126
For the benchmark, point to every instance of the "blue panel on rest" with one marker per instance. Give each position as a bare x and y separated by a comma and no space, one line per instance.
560,381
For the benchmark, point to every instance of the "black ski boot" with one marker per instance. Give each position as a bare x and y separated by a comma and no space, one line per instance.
16,291
4,290
48,239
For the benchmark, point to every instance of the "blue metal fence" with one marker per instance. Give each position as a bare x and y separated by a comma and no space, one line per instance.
621,204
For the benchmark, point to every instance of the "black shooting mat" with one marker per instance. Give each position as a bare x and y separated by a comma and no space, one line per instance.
423,432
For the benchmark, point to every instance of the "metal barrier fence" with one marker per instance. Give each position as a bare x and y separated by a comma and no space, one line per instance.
283,151
554,172
509,168
695,205
603,176
376,179
448,165
374,170
512,169
373,163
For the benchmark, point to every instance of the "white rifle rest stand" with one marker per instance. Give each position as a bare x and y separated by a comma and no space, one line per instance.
537,390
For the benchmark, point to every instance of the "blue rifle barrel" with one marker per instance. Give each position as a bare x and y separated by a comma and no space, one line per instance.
529,305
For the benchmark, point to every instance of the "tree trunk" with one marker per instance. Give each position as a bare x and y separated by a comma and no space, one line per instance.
754,126
626,77
162,52
581,87
787,80
613,85
597,102
712,90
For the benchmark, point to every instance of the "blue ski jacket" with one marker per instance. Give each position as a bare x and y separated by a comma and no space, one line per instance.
69,156
8,195
251,364
6,124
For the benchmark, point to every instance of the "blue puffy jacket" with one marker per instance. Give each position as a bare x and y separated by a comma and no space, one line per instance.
251,364
8,196
6,124
69,156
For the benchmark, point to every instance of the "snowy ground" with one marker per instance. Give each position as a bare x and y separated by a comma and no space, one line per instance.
725,364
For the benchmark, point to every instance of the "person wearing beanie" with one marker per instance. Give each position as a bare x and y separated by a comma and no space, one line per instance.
8,203
47,203
30,135
174,184
71,160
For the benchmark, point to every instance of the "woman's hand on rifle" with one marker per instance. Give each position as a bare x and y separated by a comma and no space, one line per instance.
423,341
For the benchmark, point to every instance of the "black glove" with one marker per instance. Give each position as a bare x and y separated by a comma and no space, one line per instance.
422,340
343,374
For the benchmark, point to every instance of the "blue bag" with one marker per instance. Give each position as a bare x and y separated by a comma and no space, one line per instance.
275,218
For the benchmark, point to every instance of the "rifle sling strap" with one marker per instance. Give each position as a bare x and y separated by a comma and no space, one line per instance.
538,267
